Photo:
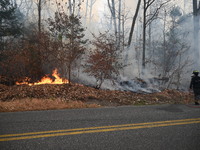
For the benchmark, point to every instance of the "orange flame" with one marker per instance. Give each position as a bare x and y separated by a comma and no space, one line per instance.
46,80
24,82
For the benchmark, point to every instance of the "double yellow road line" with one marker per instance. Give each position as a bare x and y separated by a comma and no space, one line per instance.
53,133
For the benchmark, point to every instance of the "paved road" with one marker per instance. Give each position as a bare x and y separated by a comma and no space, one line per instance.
167,127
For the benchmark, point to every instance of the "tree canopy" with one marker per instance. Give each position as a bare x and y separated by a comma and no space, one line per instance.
10,19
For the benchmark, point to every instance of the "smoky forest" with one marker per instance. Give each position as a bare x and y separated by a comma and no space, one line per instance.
137,46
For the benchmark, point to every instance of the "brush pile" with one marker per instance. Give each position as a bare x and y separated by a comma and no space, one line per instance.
92,95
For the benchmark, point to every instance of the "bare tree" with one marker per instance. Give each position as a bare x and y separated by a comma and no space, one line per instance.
92,2
119,16
86,8
113,14
172,54
134,22
70,6
74,6
196,11
147,19
39,5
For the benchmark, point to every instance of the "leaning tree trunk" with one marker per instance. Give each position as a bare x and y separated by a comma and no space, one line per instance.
133,23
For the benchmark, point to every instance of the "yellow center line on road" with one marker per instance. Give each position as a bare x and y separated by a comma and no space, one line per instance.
32,135
101,127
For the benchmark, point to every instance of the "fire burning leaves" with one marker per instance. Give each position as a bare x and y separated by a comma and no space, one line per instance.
45,80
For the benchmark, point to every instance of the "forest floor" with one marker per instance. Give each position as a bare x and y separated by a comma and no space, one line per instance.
48,97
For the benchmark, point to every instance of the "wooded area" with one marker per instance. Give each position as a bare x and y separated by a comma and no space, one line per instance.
94,41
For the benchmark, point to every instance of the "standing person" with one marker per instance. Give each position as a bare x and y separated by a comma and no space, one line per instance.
195,86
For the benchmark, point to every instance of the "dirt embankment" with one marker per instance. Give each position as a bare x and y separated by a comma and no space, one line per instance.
44,97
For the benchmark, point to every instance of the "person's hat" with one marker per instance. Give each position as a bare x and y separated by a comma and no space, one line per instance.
195,72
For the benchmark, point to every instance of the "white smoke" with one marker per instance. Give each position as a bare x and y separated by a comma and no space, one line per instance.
132,56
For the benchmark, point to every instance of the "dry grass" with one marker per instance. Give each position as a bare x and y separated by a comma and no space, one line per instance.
48,97
29,104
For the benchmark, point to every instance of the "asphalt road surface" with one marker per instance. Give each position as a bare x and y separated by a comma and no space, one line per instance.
158,127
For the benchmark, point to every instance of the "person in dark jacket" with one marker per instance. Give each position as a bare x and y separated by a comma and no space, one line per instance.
195,86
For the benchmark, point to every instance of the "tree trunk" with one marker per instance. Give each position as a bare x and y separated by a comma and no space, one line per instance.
86,8
164,45
74,6
114,17
123,28
39,15
79,8
196,31
92,2
119,24
149,30
144,35
91,6
70,7
133,22
113,14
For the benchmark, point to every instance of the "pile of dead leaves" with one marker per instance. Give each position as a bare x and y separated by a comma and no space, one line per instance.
91,95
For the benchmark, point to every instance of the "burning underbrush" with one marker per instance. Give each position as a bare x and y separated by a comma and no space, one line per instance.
47,96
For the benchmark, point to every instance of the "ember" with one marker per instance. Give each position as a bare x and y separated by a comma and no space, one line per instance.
45,80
